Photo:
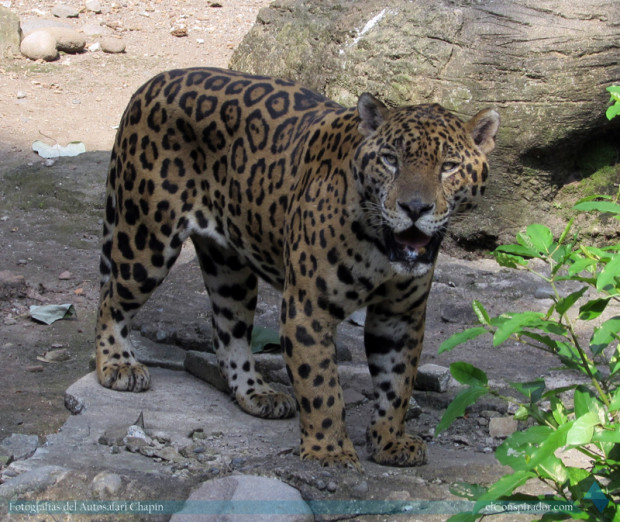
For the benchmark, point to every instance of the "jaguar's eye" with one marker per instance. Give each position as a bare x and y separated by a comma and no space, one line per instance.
389,160
448,167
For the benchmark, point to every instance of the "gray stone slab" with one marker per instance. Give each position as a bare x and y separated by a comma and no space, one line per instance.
261,498
19,446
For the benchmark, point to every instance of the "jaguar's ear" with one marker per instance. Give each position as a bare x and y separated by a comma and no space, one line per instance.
372,113
483,128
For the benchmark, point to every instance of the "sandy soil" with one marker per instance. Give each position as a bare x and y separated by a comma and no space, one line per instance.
81,97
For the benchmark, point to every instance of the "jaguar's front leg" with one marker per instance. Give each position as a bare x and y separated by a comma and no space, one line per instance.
307,335
393,342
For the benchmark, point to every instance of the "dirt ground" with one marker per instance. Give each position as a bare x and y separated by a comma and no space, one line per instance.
79,97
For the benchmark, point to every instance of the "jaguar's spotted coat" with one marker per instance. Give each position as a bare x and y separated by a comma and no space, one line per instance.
341,208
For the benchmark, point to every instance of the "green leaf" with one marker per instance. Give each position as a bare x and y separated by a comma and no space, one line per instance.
592,309
517,250
458,405
615,400
577,475
558,410
608,278
468,374
554,469
460,338
540,237
514,325
507,484
599,206
481,313
533,390
566,231
605,334
582,429
514,450
613,111
467,490
564,304
508,260
610,433
579,264
263,337
586,402
556,440
463,517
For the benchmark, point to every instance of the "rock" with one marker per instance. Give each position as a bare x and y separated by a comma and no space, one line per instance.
204,366
74,404
414,410
94,30
253,495
432,377
536,67
95,47
502,427
544,292
93,6
11,285
39,45
55,356
112,45
20,446
456,313
353,397
106,485
168,453
30,25
67,40
65,11
31,481
10,32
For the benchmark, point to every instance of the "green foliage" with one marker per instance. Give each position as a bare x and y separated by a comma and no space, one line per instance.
589,421
613,110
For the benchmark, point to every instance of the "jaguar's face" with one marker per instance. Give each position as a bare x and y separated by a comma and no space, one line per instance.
417,167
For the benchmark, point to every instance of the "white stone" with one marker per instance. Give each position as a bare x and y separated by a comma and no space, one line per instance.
265,492
65,11
39,45
93,5
502,427
432,377
106,484
112,45
67,40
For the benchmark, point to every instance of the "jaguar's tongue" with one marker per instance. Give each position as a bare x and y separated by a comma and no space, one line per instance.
413,239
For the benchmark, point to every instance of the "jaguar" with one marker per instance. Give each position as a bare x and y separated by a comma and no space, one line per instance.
339,208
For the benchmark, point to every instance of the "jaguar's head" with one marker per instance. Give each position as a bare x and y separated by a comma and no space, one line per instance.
416,167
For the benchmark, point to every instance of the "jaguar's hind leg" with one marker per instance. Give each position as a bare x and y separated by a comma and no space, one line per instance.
233,288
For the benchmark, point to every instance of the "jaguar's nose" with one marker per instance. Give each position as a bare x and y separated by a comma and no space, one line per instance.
416,208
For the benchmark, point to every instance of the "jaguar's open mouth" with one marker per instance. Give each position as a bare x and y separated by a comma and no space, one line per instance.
412,246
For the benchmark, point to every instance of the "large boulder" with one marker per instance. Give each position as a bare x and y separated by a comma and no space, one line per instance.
10,32
543,67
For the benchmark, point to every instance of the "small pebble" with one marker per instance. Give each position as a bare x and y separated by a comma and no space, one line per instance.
37,368
332,486
64,276
65,11
21,95
93,5
112,45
